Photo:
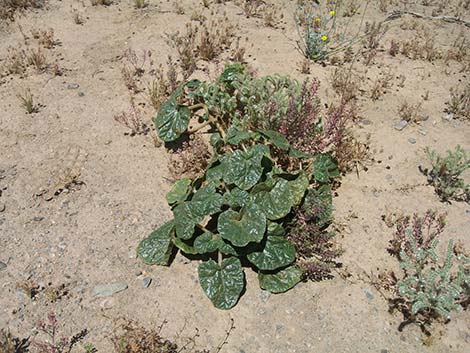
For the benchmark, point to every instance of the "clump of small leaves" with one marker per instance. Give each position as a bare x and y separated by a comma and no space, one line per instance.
459,103
241,208
27,102
446,174
428,288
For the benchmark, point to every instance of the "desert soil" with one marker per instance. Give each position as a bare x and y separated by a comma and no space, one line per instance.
87,235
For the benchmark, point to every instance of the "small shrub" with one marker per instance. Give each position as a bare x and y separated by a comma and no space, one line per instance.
245,205
15,62
459,103
345,83
381,85
164,84
411,112
9,8
37,59
321,36
445,174
45,38
428,288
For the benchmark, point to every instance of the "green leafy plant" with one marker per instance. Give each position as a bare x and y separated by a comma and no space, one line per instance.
429,288
240,209
446,174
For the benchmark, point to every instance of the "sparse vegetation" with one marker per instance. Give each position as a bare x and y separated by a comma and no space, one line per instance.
446,174
9,8
27,102
411,112
132,119
459,103
428,288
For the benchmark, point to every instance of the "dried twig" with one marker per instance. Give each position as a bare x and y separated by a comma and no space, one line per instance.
397,14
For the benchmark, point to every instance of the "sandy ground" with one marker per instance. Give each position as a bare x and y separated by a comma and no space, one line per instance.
88,236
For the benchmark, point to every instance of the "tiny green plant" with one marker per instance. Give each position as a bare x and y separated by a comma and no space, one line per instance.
429,288
446,174
271,161
27,102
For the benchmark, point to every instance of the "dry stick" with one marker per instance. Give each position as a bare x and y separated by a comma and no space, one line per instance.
397,14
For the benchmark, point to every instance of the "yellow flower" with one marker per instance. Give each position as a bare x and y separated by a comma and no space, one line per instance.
332,12
324,38
317,19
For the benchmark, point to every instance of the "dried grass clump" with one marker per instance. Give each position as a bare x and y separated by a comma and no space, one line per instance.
191,159
9,8
459,103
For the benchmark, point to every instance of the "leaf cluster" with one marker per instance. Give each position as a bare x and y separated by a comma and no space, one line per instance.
429,288
239,210
446,174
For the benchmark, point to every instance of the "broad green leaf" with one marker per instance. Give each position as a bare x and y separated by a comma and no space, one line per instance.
222,285
277,139
215,172
184,247
234,136
275,229
276,202
325,168
237,197
187,215
244,169
208,242
230,73
179,192
215,140
207,200
172,120
278,252
241,228
281,281
156,248
298,186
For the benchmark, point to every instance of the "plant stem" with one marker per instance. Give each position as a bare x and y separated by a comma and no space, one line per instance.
219,258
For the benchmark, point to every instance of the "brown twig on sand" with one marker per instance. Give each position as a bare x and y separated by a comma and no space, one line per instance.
397,14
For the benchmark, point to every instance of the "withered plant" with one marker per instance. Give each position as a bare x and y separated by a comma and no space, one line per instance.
132,119
164,83
191,159
45,38
459,102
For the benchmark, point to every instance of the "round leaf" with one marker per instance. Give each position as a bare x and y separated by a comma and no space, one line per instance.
208,242
277,202
237,197
324,168
179,192
241,228
298,186
277,139
244,169
187,215
207,200
156,248
281,281
172,120
278,252
222,285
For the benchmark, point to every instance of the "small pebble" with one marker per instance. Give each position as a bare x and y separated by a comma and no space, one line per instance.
412,140
146,282
448,117
2,265
81,94
368,294
366,122
422,132
264,296
73,86
389,177
383,351
138,273
400,125
106,290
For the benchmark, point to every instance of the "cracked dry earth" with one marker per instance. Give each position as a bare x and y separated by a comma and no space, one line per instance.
77,194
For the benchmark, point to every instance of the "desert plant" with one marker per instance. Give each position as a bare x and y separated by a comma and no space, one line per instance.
101,2
428,289
132,119
459,103
27,102
140,4
446,174
164,83
9,8
12,344
321,36
240,207
45,37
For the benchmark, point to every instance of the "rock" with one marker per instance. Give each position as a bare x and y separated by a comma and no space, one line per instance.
73,86
448,117
412,140
368,294
423,117
81,94
422,132
264,296
3,266
389,177
366,122
146,282
400,125
138,273
384,351
106,290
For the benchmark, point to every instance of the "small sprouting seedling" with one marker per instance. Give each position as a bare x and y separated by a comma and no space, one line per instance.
37,59
446,174
133,120
459,103
77,17
428,289
27,102
89,348
11,344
